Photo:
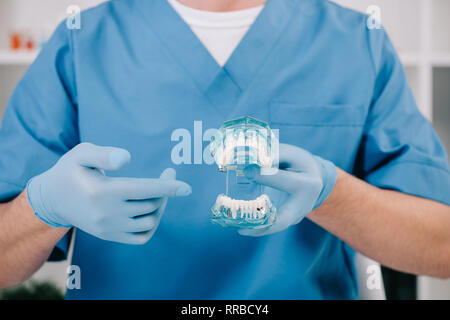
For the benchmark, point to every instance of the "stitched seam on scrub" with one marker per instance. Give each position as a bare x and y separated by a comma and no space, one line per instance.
269,54
176,61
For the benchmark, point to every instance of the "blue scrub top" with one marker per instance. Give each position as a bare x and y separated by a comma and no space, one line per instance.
135,72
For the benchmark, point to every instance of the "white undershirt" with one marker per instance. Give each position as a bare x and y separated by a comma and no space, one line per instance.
220,32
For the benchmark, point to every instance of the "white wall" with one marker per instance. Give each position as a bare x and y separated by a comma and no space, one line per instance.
400,17
35,16
9,76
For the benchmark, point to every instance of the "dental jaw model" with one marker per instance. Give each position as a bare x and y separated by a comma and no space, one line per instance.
237,144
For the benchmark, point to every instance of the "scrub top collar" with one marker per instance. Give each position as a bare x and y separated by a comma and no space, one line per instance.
222,86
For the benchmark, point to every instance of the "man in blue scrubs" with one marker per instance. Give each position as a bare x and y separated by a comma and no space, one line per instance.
88,136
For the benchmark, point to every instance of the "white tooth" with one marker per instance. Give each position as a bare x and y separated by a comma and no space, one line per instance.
234,212
241,139
251,140
234,137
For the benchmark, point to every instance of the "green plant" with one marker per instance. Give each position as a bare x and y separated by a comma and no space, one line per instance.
33,291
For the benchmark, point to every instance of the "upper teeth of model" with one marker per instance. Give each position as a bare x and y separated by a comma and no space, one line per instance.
254,146
253,209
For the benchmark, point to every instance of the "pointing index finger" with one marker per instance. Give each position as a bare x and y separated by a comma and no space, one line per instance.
144,188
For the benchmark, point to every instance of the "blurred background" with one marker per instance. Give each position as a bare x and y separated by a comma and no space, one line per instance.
420,30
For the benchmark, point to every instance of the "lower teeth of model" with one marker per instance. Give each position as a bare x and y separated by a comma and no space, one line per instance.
253,209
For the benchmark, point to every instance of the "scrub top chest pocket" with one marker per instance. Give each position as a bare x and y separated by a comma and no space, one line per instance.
332,131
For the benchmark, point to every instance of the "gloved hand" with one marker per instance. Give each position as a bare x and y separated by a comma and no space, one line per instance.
76,193
305,182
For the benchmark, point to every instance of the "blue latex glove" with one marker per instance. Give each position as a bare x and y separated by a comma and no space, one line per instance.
76,193
304,182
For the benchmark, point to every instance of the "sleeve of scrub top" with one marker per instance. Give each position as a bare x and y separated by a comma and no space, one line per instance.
400,149
40,121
